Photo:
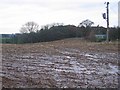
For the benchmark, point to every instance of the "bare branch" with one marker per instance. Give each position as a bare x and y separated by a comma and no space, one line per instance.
29,27
86,23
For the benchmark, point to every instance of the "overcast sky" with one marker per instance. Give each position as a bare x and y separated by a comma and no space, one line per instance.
15,13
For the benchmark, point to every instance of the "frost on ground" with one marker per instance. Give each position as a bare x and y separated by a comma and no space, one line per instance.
60,65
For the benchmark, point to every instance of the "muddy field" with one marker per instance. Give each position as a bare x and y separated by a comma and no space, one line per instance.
69,63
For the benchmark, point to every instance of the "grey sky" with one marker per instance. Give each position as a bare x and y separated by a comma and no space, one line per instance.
15,13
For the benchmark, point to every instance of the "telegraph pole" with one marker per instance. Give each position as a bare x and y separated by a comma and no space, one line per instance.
107,39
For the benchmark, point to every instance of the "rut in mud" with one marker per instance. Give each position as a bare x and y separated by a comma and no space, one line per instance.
64,63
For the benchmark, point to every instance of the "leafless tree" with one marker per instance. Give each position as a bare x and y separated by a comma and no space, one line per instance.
86,23
29,27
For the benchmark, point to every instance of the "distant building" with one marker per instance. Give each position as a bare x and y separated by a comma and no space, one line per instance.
100,37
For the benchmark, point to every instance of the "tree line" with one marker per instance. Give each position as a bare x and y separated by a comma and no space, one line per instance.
30,32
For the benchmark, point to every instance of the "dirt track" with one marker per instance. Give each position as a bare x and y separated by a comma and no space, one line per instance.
65,63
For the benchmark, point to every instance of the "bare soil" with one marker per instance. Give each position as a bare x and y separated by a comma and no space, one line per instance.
69,63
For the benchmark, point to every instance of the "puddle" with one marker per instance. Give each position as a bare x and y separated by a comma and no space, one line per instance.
60,67
114,69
